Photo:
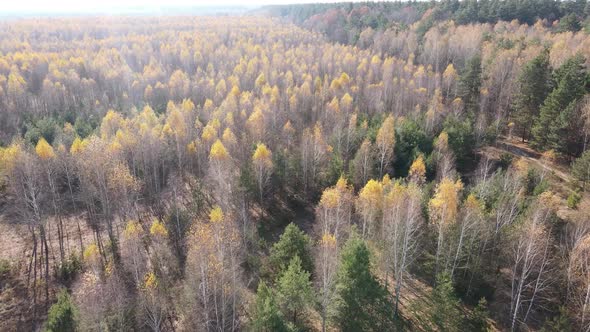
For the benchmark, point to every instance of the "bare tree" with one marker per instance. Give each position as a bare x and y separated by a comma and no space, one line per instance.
530,262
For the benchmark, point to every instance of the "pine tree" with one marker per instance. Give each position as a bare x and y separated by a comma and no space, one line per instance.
445,313
267,315
470,83
362,303
534,82
293,242
295,290
62,315
553,129
581,169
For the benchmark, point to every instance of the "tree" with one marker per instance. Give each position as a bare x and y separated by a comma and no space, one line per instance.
444,311
530,261
470,84
534,85
444,157
213,273
557,127
62,316
417,172
385,143
369,204
443,209
314,151
262,160
466,231
293,242
479,317
579,280
581,169
267,315
326,270
334,211
361,303
294,288
362,163
569,22
402,219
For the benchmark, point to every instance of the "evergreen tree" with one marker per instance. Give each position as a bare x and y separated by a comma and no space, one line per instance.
534,82
293,242
62,315
559,323
470,84
556,127
445,313
569,22
479,316
267,316
295,290
362,303
581,169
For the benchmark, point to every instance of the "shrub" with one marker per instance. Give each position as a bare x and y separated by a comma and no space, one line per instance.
573,200
68,269
4,267
62,315
505,160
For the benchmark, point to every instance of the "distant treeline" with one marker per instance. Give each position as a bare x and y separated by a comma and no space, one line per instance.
335,18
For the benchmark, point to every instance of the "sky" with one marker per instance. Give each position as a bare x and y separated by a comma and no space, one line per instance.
74,6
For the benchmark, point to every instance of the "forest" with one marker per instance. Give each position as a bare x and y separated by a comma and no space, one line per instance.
386,166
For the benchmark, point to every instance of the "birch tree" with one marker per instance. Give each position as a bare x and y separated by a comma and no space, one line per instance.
402,219
385,143
530,262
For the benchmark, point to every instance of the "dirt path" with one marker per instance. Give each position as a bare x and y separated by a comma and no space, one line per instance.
524,151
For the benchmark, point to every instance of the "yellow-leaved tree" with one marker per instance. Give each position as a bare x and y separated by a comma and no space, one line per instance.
213,278
385,143
417,173
262,162
443,209
368,204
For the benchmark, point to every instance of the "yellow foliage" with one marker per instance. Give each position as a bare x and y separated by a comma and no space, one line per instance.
386,134
77,146
342,183
549,155
288,129
44,150
262,157
330,198
209,133
192,147
150,281
91,253
328,241
216,215
132,229
442,142
228,137
158,229
472,202
255,123
218,151
386,181
444,205
8,156
521,166
371,195
418,169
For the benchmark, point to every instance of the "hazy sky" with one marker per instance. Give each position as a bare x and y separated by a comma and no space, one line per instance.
50,6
